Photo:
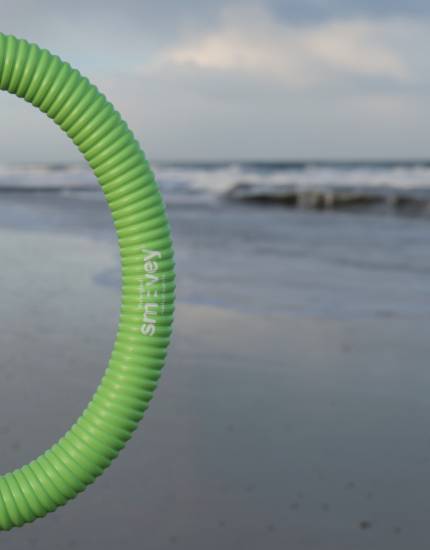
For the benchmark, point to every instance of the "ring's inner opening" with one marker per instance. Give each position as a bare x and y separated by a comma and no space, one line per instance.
59,283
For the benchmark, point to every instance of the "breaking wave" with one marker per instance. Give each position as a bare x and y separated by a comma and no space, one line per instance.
319,185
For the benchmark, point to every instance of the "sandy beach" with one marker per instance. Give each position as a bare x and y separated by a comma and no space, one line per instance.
273,427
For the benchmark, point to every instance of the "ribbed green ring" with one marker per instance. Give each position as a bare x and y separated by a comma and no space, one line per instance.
148,282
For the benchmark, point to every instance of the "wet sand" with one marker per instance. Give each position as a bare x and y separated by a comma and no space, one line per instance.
268,430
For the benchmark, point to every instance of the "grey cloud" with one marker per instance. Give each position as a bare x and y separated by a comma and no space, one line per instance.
190,112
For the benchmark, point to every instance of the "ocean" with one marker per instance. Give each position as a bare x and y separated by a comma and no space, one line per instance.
293,409
337,239
311,184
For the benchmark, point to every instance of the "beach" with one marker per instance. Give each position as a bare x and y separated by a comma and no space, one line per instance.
293,409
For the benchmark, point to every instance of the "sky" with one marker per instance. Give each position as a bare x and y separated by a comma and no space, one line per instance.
206,80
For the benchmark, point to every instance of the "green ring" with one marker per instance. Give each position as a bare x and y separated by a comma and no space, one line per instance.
148,282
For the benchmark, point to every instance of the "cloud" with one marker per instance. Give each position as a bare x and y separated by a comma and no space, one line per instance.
251,41
200,79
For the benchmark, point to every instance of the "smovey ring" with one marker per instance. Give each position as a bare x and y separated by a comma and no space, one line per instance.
148,282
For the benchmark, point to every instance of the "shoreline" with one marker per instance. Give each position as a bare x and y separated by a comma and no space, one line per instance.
268,429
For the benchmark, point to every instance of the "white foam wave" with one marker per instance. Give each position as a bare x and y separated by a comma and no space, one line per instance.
221,180
204,182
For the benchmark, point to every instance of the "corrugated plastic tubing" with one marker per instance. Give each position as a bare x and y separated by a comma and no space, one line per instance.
148,282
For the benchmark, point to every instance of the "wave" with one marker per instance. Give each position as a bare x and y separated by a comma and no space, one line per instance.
317,185
310,184
46,177
332,197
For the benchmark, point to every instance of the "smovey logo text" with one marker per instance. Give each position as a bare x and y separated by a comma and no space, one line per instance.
148,295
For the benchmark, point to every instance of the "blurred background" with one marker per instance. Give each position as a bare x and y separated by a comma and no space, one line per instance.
290,140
